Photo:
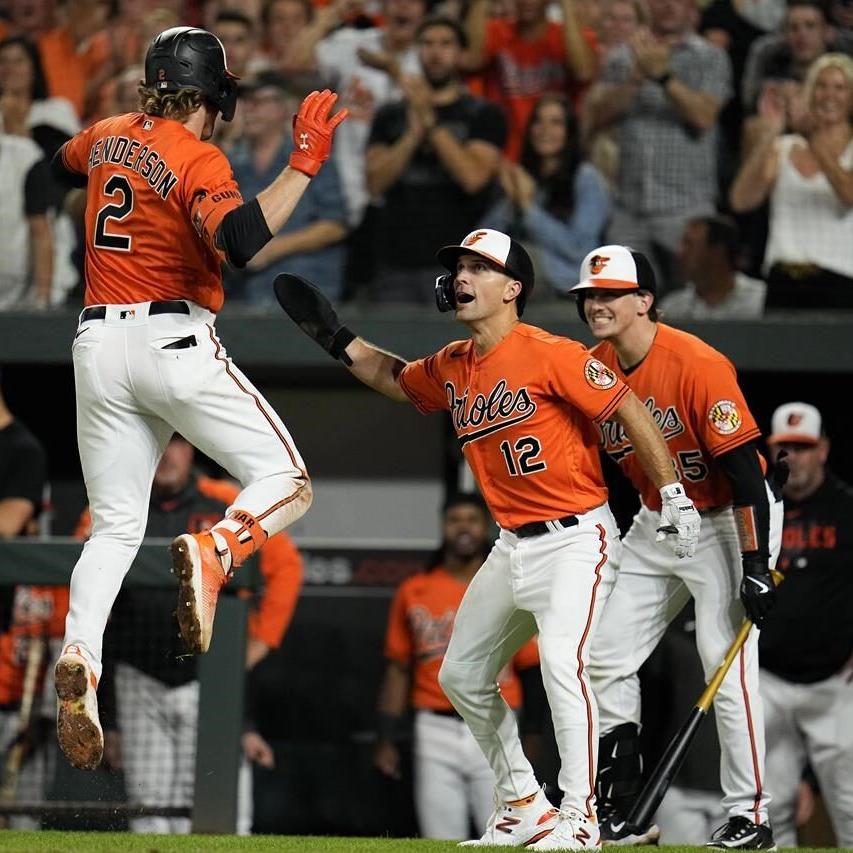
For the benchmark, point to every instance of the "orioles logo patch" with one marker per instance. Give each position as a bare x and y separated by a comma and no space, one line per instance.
474,238
599,375
795,419
597,263
725,417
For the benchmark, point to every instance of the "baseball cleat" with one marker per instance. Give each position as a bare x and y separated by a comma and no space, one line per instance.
616,832
574,831
742,834
200,578
520,823
78,728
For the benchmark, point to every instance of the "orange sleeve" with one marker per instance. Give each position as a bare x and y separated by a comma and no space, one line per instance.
75,152
281,566
723,419
221,490
423,384
497,35
577,376
84,525
398,640
210,192
527,656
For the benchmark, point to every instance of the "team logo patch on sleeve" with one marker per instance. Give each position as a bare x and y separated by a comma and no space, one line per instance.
725,417
599,375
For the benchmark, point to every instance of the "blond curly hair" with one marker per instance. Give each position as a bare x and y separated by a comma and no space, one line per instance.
175,105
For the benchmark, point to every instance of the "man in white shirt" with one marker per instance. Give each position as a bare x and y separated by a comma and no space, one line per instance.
715,289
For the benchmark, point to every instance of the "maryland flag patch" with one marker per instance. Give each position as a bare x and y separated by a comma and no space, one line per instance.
724,417
599,375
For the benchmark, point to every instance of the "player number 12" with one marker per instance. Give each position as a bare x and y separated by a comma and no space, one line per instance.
521,458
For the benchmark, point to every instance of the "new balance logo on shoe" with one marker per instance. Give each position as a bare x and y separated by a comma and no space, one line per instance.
520,823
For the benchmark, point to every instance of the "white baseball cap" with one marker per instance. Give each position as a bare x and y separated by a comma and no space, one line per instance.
616,268
495,246
799,423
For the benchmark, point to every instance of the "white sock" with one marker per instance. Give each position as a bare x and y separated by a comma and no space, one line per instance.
223,550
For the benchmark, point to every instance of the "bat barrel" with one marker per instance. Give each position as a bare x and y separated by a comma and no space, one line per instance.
653,793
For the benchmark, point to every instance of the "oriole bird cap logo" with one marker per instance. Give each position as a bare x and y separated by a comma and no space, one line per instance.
474,237
597,263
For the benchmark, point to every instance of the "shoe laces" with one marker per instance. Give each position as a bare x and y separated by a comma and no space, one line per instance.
735,828
571,822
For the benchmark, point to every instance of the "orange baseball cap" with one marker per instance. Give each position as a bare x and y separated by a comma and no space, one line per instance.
797,423
616,268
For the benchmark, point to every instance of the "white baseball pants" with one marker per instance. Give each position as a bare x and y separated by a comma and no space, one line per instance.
809,723
652,585
132,395
553,583
453,780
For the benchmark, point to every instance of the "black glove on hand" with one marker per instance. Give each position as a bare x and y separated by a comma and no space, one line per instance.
313,313
757,589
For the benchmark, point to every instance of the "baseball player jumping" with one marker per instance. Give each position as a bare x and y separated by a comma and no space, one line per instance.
524,404
163,210
691,391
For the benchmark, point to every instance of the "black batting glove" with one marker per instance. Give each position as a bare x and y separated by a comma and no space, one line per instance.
313,313
757,589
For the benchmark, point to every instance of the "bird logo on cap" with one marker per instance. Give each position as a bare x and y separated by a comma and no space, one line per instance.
474,238
795,419
597,263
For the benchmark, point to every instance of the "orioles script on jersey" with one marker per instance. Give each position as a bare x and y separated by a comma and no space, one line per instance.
502,408
132,154
616,443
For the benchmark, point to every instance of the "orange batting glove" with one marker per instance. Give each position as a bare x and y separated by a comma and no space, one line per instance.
313,129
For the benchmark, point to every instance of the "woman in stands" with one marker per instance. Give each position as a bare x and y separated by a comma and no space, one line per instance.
553,201
808,260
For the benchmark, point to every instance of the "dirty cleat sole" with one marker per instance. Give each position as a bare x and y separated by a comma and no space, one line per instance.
77,726
186,564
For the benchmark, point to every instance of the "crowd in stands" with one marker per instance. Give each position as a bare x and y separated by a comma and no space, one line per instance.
714,135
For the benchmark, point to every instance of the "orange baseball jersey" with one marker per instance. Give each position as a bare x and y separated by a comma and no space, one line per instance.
38,611
692,392
419,627
524,414
155,197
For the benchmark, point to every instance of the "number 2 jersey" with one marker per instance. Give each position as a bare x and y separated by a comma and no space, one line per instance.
155,196
525,415
692,393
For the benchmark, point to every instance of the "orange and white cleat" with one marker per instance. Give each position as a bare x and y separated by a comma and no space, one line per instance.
520,823
196,563
78,728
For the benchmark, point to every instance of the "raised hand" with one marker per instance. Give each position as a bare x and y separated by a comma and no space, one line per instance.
313,129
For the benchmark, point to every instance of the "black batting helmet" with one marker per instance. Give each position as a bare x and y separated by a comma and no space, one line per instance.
496,247
191,58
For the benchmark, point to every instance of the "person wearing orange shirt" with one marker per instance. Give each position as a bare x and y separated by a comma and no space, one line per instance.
453,780
163,211
156,685
528,56
692,392
524,404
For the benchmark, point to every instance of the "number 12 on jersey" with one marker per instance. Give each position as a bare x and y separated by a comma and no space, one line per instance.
521,458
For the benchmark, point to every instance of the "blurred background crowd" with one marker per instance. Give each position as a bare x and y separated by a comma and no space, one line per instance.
713,136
